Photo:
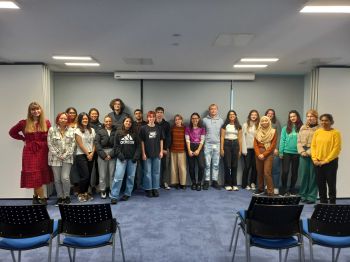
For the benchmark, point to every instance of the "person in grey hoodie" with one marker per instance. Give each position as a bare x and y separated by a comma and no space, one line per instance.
212,123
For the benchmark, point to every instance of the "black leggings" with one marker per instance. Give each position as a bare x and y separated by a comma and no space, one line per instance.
327,175
85,169
192,164
249,164
231,151
287,161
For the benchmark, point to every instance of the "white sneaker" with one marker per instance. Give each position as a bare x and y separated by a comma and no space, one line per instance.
235,188
228,188
103,194
252,186
276,191
247,188
166,186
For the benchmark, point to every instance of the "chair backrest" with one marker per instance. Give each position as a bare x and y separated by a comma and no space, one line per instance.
86,220
274,221
24,221
273,200
332,220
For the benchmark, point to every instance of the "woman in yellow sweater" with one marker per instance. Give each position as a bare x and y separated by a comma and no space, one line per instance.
325,149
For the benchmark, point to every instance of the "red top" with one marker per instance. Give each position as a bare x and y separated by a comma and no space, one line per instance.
35,168
177,139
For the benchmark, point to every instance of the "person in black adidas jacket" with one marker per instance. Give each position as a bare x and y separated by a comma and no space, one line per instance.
127,149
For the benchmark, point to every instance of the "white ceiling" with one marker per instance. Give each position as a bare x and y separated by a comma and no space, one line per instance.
114,31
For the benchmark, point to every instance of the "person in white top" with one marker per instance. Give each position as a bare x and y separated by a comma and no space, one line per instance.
61,143
248,134
84,137
231,148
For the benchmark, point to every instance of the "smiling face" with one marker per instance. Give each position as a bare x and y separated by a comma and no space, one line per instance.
72,115
93,116
253,116
232,117
178,121
35,112
151,118
195,120
117,106
293,117
264,122
62,121
108,123
326,123
311,119
270,114
213,110
127,123
138,116
159,115
85,121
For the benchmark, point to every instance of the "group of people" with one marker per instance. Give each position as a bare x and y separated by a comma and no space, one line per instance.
121,147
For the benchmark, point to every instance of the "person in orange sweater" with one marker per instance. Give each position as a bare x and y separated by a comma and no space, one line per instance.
264,146
325,149
177,153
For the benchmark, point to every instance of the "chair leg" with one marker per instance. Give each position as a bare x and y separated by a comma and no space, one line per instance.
13,256
286,255
113,247
235,247
280,255
121,242
337,256
74,253
57,248
69,254
247,246
332,254
311,251
50,249
19,256
233,233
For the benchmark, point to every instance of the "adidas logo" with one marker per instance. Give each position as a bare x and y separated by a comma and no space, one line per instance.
127,140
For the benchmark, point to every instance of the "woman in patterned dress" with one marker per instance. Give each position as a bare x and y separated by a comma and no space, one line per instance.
35,169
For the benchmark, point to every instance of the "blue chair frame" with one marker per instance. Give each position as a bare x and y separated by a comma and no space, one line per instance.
329,226
26,227
272,227
86,227
263,200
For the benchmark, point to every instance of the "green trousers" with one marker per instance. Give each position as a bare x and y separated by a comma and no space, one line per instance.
308,186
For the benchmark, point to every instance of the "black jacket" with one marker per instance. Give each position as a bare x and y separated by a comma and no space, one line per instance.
166,130
103,140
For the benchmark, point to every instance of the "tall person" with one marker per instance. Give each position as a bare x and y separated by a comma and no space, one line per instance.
325,150
195,135
160,121
35,169
61,144
288,152
248,134
231,149
152,138
117,115
212,123
308,186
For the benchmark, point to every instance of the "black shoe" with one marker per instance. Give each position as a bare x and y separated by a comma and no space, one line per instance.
177,186
124,198
149,193
155,193
60,200
114,201
199,187
193,186
43,201
216,185
259,192
287,194
310,202
67,200
206,185
183,187
36,200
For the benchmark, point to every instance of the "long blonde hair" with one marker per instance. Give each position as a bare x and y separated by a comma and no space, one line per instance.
30,126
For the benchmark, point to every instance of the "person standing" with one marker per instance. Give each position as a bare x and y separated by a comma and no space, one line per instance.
288,152
152,138
61,143
160,121
212,123
325,150
117,115
231,149
195,135
248,134
84,137
276,165
308,186
35,169
72,117
127,149
104,143
264,146
94,116
177,153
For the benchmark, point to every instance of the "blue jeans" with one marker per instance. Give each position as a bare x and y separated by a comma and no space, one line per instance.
151,173
119,175
212,155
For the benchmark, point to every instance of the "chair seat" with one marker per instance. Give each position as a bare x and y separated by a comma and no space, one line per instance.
326,240
276,243
27,243
87,241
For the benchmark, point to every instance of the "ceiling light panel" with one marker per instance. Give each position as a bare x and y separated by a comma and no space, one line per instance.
327,6
81,64
259,60
82,58
249,66
8,5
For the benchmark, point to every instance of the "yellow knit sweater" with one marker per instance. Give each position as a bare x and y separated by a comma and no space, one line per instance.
325,145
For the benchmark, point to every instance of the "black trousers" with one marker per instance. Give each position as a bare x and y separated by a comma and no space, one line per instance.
249,164
289,160
84,169
192,164
231,151
326,175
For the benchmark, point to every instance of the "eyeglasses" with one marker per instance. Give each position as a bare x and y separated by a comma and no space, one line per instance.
194,118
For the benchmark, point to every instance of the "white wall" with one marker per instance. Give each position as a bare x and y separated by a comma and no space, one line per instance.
19,86
333,98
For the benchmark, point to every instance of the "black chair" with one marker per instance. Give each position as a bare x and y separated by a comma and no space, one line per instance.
26,227
87,226
263,200
272,227
329,226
